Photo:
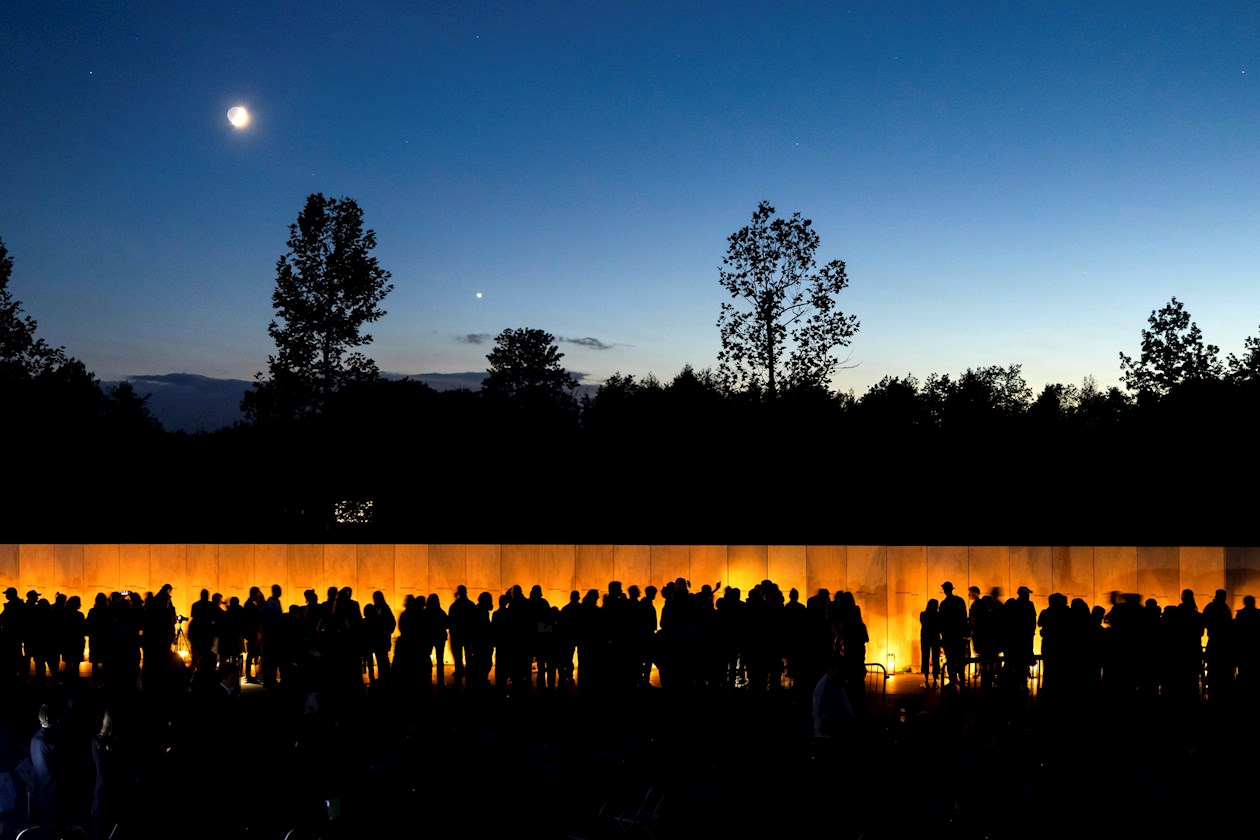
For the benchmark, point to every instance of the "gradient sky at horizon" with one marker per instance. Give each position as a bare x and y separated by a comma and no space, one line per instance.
1008,183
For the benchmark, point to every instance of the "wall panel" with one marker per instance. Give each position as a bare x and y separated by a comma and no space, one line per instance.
708,565
411,573
1032,566
868,581
202,565
100,571
68,559
521,565
1115,570
670,562
1203,570
304,568
339,568
595,566
1072,570
10,565
632,564
136,571
1242,574
558,565
1159,575
271,567
747,566
38,571
946,563
484,570
989,567
908,596
448,568
236,570
376,573
826,567
786,566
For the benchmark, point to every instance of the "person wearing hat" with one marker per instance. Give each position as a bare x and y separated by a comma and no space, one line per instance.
953,622
12,629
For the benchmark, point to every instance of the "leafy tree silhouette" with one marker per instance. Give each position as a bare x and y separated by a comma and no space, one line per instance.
1173,352
328,287
22,355
525,371
781,327
1247,368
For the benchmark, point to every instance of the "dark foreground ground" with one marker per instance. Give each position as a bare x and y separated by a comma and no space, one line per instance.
653,763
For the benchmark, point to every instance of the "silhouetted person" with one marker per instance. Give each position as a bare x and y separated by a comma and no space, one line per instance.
200,630
73,631
569,627
381,635
953,620
1185,652
411,646
1055,644
461,615
253,609
1219,655
14,629
930,643
1247,640
436,623
482,642
1020,626
98,633
49,806
835,724
270,616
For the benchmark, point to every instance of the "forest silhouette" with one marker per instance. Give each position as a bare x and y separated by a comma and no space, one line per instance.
702,457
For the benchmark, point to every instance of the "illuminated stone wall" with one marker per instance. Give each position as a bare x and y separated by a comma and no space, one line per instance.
890,583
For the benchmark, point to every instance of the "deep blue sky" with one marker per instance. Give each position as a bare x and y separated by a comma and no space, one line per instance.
1007,182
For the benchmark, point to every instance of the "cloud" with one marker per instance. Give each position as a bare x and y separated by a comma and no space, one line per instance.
591,343
470,379
474,338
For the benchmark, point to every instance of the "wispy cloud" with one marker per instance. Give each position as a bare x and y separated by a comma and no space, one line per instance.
592,343
474,338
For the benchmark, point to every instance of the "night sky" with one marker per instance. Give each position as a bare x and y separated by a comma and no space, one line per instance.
1008,183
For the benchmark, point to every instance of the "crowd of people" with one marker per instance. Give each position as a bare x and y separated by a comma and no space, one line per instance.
325,656
1134,647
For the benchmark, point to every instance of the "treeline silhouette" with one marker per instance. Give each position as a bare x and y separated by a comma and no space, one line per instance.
972,458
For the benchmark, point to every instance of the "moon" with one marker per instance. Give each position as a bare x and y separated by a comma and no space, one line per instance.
238,116
478,295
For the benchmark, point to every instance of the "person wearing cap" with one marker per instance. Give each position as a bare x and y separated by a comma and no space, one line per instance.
953,622
1023,627
29,630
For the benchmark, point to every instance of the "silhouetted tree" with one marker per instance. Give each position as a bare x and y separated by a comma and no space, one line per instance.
127,411
1095,407
328,286
977,396
1173,352
783,326
525,370
1247,368
893,403
46,389
22,355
